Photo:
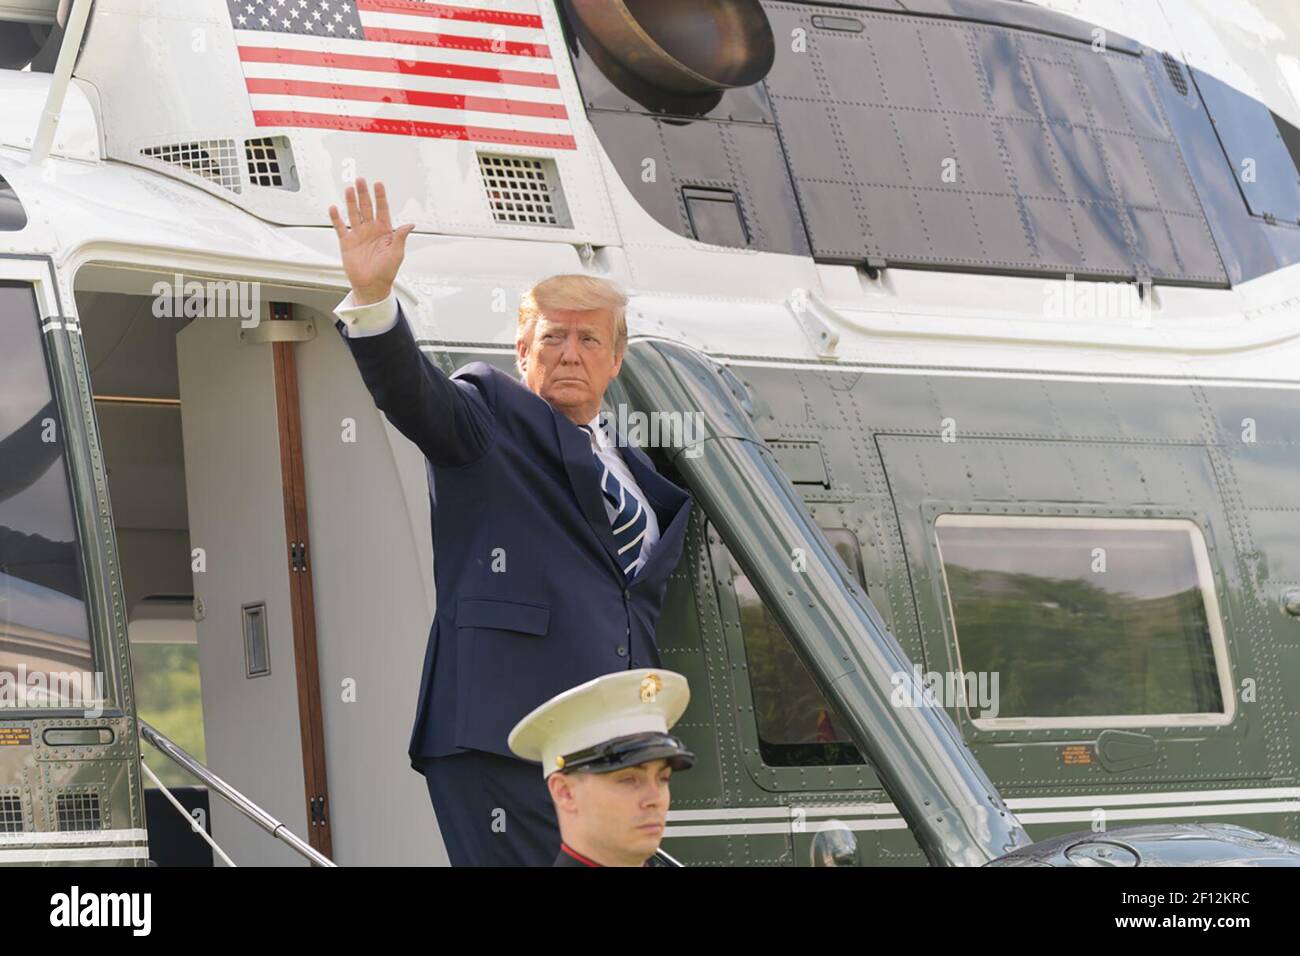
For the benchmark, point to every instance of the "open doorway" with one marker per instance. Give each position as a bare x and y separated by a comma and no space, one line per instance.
213,489
131,358
191,417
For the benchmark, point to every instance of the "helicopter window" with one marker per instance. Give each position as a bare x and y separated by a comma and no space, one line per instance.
12,215
1085,621
715,216
1259,145
45,651
797,726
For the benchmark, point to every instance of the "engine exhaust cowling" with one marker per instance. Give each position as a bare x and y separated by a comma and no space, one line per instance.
688,47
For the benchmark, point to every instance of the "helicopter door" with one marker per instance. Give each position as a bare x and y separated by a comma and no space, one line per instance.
251,551
66,713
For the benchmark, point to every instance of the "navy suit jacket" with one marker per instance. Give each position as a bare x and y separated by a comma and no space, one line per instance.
531,598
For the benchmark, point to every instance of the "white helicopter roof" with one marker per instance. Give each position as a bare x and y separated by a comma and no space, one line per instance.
153,163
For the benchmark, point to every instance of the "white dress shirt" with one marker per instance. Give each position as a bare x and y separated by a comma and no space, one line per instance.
379,317
362,320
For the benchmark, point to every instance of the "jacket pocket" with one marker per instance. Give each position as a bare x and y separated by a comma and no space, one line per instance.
503,615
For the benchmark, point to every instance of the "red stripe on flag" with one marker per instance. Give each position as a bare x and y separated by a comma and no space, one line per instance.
393,127
444,12
383,64
377,94
451,42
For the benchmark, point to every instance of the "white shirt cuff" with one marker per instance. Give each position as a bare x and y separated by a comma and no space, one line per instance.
364,320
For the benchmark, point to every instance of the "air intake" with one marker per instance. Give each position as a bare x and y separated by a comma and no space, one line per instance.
270,162
524,190
78,810
215,160
1176,74
11,814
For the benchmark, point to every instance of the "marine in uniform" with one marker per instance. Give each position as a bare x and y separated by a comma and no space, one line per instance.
607,757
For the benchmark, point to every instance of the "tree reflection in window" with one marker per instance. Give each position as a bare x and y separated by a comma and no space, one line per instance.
797,726
1082,617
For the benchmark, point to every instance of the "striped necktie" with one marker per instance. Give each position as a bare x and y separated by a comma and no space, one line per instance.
629,521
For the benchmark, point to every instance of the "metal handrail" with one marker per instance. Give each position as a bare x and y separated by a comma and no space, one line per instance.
194,824
236,799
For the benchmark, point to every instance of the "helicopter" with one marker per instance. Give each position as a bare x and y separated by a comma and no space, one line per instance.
987,308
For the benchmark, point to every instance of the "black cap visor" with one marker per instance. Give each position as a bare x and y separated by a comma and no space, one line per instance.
628,752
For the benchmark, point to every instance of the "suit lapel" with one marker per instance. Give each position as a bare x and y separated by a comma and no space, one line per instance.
575,450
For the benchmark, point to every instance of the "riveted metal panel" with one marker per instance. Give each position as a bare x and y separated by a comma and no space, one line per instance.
658,157
943,142
931,477
1093,448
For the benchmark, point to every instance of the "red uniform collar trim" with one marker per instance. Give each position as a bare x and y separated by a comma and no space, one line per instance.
585,861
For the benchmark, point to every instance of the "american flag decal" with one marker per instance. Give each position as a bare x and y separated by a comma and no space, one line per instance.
454,69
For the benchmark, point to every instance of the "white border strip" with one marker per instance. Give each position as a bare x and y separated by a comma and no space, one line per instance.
873,809
1194,812
41,837
783,829
1106,377
74,855
731,813
1159,813
1135,799
727,361
730,829
1072,809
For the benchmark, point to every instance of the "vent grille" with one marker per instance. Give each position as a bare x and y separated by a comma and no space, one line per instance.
270,162
522,189
215,160
78,811
1176,75
11,814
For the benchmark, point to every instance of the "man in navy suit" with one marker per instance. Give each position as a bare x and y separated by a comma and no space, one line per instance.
552,545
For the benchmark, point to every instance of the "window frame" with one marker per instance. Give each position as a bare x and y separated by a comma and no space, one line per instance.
1207,581
812,778
65,359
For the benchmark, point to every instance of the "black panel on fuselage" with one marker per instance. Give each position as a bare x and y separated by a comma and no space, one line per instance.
960,135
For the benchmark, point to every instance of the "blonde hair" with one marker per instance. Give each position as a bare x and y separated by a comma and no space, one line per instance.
575,292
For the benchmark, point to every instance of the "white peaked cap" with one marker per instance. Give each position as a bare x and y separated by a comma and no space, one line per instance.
646,700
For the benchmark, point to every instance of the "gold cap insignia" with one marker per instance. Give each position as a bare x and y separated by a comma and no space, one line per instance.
650,688
559,762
